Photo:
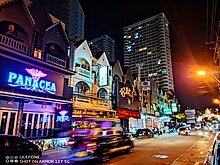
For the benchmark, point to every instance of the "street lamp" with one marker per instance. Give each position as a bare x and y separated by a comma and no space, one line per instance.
203,73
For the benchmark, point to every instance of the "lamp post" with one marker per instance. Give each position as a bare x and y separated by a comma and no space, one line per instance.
203,73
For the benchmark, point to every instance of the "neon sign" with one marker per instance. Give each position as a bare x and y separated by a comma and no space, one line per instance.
34,83
63,116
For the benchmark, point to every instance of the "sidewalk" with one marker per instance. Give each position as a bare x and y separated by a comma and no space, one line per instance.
196,154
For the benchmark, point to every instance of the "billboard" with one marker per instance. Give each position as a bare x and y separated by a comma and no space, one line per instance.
103,76
190,115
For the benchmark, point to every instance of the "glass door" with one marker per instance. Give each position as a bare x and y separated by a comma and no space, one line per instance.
8,122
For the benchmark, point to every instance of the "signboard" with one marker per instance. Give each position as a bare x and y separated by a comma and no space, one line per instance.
128,101
190,115
33,82
103,76
167,111
174,107
87,112
127,97
63,116
126,114
22,77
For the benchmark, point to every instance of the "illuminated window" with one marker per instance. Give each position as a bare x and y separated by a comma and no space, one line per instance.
11,28
37,53
159,62
149,53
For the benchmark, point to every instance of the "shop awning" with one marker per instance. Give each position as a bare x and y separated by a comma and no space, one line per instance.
37,98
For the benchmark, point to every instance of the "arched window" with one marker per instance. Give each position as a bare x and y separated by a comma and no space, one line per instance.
128,82
102,93
82,87
117,78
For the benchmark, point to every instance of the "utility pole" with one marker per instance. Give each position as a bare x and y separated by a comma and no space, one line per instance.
139,77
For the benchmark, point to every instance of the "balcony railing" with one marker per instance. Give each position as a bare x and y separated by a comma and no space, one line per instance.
89,99
13,44
55,60
83,72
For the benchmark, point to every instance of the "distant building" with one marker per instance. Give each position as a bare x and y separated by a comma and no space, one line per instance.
71,13
103,43
147,42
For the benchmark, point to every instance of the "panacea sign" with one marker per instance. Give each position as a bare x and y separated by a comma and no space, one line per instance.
33,82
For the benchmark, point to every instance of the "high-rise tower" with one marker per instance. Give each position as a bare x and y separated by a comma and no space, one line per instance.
103,43
147,43
71,13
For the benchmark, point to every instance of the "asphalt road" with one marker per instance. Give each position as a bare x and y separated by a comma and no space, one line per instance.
168,149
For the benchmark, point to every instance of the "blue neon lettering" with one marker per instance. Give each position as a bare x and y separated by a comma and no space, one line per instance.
11,76
28,81
53,87
35,84
19,80
48,85
42,84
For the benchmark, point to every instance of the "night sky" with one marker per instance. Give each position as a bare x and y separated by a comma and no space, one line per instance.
187,23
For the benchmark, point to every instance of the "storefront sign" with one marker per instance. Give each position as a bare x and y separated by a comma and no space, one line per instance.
31,83
128,97
93,113
29,79
63,116
167,111
126,114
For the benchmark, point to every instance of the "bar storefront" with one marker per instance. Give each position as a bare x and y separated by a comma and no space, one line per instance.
31,98
128,106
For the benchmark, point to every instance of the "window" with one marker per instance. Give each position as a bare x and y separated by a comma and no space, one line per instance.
37,53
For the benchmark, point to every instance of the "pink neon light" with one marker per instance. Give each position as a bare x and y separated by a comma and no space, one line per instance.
63,112
35,73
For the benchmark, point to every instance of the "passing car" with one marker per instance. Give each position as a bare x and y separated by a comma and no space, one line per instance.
144,133
18,147
183,131
99,147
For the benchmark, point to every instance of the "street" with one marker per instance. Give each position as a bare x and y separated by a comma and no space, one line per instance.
160,150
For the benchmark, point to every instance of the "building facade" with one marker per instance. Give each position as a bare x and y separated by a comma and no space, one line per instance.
71,13
103,43
147,43
34,63
92,83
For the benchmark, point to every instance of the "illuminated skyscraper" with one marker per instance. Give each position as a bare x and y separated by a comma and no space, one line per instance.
147,43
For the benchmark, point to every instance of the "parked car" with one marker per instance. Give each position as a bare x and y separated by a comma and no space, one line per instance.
99,147
183,131
18,147
213,157
144,133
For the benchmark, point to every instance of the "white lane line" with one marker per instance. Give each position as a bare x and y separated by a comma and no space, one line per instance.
187,150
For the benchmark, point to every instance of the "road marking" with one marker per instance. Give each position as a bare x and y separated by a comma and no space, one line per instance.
197,163
187,150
